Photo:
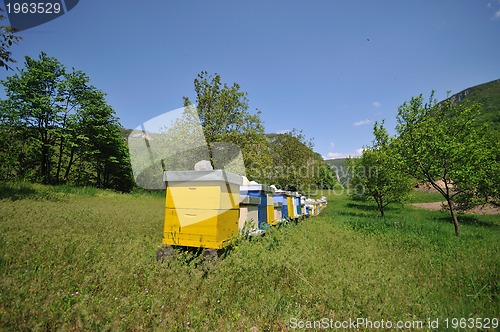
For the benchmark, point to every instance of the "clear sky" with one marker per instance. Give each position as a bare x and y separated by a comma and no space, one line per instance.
330,68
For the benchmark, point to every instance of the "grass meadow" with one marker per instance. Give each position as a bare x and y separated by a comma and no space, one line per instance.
76,259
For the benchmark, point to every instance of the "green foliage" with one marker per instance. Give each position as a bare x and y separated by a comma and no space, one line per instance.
486,188
326,177
7,39
89,264
486,97
444,143
221,129
377,175
296,166
223,113
57,128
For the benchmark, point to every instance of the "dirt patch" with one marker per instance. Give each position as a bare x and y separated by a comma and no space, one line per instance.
431,206
485,209
427,186
489,209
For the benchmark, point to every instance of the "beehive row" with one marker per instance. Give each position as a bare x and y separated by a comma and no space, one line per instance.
207,209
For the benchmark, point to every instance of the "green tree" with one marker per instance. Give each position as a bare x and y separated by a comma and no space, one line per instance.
34,106
485,187
378,173
55,119
7,39
102,153
224,116
443,144
296,166
326,178
489,183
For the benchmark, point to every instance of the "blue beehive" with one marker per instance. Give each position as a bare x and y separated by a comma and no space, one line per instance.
307,211
280,197
310,207
258,190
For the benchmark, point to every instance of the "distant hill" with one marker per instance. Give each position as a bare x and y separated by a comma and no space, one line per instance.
486,94
339,162
338,167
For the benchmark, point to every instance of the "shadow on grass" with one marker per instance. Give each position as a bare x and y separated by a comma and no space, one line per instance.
354,214
16,193
362,206
469,220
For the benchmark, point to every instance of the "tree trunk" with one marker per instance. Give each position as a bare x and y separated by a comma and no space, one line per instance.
61,145
453,217
45,170
210,155
59,161
70,163
380,204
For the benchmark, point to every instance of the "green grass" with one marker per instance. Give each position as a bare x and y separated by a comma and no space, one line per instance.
86,261
425,197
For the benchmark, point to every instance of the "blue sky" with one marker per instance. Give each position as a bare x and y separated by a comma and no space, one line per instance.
330,68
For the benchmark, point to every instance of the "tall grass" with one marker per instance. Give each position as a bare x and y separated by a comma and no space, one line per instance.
73,261
425,196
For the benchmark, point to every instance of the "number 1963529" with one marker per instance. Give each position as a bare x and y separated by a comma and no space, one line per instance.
472,323
33,8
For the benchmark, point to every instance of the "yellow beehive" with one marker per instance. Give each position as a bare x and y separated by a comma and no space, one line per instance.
271,220
206,195
289,200
202,208
215,230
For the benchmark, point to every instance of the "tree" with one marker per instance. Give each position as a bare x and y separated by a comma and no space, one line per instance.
296,166
103,154
8,38
378,174
175,143
326,178
56,120
489,182
223,113
443,143
35,106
